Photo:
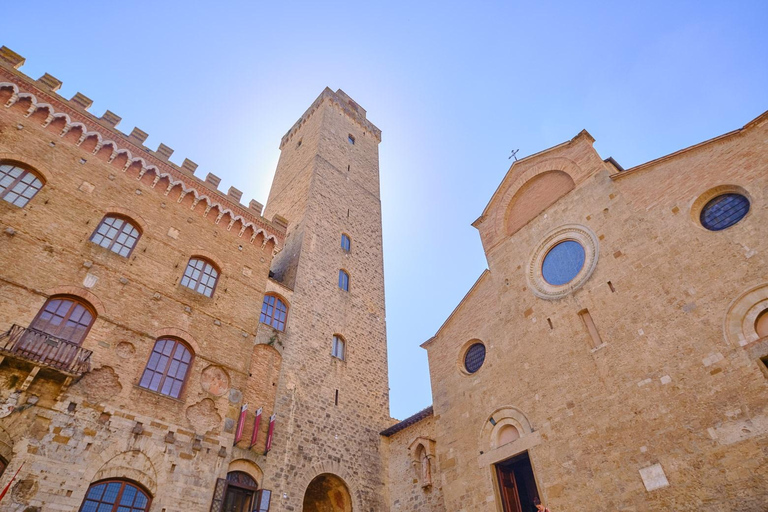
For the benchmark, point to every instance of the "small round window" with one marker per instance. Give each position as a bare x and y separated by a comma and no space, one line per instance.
724,211
563,262
474,358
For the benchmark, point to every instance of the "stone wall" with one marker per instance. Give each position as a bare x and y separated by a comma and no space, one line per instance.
71,433
656,407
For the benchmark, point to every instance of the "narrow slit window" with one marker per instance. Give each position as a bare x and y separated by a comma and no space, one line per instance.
337,348
589,324
343,280
346,243
351,139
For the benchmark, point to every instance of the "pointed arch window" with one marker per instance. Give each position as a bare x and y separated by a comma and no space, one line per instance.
167,368
201,276
115,496
18,185
274,312
338,348
116,233
343,280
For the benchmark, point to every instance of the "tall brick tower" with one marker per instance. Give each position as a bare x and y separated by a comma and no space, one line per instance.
332,401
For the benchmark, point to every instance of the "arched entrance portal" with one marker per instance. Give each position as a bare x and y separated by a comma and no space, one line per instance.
327,493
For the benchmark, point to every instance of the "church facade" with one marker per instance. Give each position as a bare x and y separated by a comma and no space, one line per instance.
164,347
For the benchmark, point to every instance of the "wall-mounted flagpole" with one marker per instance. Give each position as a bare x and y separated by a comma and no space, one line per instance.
270,433
240,424
256,422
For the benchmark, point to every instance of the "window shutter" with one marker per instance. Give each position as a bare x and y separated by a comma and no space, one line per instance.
217,505
261,503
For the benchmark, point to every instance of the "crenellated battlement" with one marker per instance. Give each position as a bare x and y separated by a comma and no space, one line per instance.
100,136
345,103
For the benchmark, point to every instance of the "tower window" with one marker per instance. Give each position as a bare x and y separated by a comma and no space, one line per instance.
200,276
116,234
273,312
351,139
18,185
346,243
343,280
337,348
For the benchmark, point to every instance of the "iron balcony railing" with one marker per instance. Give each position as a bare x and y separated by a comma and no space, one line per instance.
42,348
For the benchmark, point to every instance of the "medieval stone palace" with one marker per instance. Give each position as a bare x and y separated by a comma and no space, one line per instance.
165,347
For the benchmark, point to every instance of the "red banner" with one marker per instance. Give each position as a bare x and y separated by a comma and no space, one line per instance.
270,433
256,422
241,423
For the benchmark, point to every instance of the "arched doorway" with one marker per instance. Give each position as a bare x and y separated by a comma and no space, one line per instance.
327,493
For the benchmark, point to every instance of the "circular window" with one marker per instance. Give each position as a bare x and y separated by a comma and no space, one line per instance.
724,211
474,358
563,262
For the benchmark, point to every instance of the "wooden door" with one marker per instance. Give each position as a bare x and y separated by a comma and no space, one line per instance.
510,499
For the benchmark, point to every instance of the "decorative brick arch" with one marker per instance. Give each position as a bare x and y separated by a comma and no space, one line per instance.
34,164
562,164
79,292
175,332
130,214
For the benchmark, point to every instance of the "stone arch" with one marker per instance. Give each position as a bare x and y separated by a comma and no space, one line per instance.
249,467
420,449
739,325
559,165
82,293
334,469
327,493
535,196
133,465
498,421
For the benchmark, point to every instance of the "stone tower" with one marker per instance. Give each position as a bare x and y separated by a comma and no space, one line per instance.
330,410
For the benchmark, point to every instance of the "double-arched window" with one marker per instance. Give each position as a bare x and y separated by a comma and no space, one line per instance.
167,367
18,185
274,312
201,276
116,233
116,496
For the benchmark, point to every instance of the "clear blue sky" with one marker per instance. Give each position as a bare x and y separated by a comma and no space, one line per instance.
454,86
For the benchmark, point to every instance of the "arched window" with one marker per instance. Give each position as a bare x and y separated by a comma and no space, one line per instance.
338,346
65,317
343,280
761,324
274,312
18,185
346,243
167,367
115,496
200,276
117,234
